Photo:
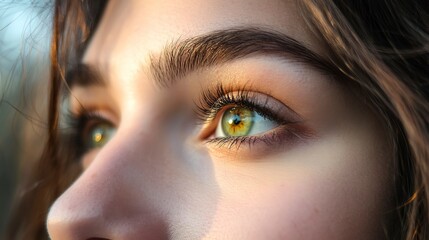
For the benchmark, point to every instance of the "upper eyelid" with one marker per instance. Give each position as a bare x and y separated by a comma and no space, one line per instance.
85,75
261,102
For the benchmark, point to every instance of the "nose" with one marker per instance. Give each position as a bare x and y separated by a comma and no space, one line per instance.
113,199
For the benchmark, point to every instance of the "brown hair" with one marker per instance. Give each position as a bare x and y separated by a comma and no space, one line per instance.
381,47
73,24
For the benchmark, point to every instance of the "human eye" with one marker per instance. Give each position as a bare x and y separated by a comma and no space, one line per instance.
89,131
97,134
246,118
238,121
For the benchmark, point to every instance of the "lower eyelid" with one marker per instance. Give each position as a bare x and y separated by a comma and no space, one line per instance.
87,158
280,138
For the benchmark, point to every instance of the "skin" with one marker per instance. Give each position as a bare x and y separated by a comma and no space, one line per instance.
158,177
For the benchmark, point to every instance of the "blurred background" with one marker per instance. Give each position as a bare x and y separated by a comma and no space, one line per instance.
24,72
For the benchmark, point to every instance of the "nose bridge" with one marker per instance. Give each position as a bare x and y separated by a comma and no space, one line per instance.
114,198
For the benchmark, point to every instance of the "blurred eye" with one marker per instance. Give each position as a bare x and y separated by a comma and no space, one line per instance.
240,121
98,135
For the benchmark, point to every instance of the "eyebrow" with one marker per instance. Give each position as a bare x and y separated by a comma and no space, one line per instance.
84,75
180,57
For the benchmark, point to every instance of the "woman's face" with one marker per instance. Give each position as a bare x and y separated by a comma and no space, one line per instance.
204,120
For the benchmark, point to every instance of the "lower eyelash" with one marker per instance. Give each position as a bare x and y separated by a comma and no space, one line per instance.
273,138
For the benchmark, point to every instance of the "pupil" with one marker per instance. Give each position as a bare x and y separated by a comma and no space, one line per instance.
236,119
98,136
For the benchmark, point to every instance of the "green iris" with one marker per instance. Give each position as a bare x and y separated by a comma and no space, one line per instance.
99,135
237,121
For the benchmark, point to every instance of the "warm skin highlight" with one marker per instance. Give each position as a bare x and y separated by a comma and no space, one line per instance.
213,186
354,176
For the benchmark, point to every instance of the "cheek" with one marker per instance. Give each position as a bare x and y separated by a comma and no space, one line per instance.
319,194
316,209
304,209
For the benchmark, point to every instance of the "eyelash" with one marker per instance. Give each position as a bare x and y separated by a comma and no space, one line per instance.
214,100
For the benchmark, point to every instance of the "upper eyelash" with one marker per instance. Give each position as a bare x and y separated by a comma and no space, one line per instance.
80,119
213,100
70,133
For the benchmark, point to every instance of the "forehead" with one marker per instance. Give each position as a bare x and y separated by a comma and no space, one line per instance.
132,30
